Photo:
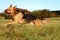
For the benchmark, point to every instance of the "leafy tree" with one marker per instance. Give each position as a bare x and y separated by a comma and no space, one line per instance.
41,13
37,13
45,14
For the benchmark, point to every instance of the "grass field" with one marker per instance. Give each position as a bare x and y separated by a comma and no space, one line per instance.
31,32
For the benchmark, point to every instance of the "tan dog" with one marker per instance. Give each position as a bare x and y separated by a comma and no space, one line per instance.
16,17
18,14
21,16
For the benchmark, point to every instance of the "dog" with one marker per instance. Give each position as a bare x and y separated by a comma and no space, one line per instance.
22,16
16,14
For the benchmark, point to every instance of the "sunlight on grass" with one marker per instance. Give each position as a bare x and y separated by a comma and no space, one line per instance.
30,32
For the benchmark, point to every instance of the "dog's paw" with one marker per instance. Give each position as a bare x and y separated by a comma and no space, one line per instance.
6,24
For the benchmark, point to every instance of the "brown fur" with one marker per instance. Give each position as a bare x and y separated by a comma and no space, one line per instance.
46,21
37,22
17,19
16,15
21,16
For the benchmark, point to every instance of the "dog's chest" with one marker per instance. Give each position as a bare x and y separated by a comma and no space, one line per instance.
18,16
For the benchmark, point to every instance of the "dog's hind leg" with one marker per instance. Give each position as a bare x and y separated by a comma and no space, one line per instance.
37,22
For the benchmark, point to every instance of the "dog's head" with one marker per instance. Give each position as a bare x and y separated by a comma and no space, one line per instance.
10,10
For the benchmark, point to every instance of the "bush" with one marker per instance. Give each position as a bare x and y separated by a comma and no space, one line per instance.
41,13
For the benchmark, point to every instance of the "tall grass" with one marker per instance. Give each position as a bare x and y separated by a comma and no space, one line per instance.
31,32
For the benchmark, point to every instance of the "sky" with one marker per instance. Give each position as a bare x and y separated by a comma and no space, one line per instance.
31,4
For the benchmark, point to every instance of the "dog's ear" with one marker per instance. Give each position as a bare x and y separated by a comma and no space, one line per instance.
14,7
11,5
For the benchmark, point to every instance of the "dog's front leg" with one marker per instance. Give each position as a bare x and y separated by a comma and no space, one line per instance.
11,22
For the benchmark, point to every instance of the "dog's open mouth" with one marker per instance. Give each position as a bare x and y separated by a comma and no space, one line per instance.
10,14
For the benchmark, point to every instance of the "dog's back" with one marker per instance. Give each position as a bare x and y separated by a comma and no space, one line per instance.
29,17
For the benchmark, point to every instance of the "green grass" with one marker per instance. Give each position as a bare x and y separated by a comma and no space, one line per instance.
30,32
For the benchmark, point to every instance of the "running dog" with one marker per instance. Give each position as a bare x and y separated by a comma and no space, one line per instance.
22,16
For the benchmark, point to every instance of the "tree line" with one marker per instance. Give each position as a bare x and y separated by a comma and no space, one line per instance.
38,13
46,12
